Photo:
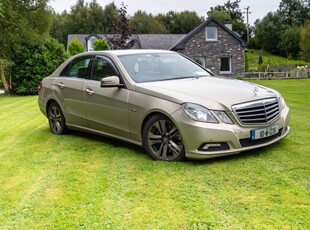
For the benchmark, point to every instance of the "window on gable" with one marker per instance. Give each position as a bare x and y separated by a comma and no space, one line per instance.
211,33
225,65
91,42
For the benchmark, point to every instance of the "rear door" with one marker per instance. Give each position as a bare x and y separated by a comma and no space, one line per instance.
107,108
69,89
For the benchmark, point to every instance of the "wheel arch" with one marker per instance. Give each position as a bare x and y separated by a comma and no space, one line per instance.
49,102
151,115
158,112
181,156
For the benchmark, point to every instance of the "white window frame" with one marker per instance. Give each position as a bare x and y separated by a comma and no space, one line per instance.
229,63
216,33
90,43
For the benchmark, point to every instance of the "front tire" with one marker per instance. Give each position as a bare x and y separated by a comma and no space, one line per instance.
162,139
56,119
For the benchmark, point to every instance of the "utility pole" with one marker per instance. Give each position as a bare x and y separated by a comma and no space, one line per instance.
247,23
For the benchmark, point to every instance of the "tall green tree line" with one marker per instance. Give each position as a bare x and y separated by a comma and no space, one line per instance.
85,18
284,31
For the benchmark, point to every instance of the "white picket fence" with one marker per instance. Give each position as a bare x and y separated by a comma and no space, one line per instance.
276,75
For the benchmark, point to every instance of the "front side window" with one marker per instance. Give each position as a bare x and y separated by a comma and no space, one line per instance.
211,33
77,68
225,65
102,68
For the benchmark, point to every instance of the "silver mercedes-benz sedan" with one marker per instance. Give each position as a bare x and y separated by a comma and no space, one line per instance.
163,101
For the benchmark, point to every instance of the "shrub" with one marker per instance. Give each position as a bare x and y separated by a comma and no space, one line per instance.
75,47
101,44
38,64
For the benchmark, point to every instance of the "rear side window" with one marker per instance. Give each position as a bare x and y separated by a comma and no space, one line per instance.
77,68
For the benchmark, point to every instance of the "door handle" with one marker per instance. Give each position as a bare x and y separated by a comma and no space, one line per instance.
89,91
61,85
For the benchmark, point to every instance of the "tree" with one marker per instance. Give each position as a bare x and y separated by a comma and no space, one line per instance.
268,32
186,21
75,47
222,16
78,18
23,26
101,44
110,17
146,24
121,31
84,18
179,23
294,12
40,63
305,42
260,58
169,20
289,42
5,70
60,27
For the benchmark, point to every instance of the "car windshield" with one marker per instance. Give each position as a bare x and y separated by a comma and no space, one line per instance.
161,67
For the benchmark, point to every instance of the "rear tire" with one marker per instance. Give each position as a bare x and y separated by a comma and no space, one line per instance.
56,119
162,139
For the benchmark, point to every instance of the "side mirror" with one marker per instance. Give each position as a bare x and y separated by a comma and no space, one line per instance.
110,82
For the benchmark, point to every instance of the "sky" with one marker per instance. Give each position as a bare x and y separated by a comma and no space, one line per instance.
258,8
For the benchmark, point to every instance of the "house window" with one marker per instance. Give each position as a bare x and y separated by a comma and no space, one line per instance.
211,33
91,42
200,60
225,65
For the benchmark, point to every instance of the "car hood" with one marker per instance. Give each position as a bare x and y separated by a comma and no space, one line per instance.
211,92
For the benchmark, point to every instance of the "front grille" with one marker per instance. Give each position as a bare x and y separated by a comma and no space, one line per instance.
257,112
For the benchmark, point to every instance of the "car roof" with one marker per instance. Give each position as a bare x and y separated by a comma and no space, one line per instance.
126,52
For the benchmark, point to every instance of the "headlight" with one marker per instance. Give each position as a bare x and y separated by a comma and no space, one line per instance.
281,102
198,113
224,117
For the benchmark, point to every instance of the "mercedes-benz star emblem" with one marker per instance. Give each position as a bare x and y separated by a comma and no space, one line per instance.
255,90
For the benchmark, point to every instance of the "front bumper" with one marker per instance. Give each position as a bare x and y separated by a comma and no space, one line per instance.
232,139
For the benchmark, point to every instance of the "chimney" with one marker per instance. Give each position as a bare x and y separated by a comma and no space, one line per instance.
228,25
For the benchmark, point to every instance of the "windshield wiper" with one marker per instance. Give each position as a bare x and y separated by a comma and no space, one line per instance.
186,77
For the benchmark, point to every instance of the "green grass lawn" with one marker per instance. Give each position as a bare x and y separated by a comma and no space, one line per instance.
82,181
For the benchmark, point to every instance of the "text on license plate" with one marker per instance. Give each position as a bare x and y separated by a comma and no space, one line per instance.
266,132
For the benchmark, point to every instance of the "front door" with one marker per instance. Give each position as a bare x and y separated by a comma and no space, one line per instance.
107,108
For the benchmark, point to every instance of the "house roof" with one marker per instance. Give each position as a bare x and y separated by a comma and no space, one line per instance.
159,41
144,41
92,35
181,43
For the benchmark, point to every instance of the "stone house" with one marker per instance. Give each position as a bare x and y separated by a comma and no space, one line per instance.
211,44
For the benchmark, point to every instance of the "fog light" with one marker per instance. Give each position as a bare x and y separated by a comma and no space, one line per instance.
207,146
210,147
